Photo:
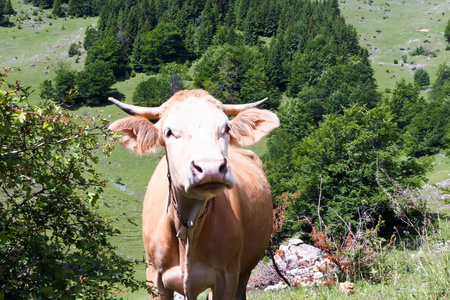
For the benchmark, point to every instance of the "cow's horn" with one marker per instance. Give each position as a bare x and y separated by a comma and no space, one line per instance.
146,112
234,109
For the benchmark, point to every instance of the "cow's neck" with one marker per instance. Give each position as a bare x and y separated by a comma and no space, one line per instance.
187,212
187,217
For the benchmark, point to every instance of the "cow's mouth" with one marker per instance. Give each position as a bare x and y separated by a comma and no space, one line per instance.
211,186
209,189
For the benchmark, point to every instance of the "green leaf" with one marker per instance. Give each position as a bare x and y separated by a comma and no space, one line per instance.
19,117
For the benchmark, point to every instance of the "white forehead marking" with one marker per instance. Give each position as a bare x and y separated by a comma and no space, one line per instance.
194,110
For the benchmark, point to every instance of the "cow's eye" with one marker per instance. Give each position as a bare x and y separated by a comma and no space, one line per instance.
169,132
228,128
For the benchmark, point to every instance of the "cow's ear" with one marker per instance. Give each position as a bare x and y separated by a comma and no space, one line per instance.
139,134
251,125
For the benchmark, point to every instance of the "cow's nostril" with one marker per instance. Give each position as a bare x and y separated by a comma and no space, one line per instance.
196,167
223,167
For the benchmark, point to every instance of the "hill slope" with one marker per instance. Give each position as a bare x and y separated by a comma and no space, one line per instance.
394,29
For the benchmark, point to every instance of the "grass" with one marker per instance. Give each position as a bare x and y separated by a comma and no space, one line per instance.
441,169
33,51
393,29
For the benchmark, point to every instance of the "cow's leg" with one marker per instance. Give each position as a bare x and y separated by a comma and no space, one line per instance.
225,286
241,290
161,292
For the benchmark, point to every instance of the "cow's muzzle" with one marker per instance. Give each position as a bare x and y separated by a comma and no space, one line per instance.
209,176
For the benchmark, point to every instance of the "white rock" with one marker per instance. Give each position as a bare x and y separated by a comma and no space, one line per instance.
292,261
318,275
295,242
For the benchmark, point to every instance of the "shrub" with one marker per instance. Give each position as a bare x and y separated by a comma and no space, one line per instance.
404,58
421,50
52,242
73,49
359,252
421,78
447,31
151,92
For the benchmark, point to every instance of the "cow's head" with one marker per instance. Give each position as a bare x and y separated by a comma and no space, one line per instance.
196,131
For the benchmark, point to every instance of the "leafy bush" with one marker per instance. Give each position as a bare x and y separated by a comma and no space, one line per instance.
73,49
421,78
151,92
110,51
95,81
235,74
342,156
52,242
162,45
421,50
359,253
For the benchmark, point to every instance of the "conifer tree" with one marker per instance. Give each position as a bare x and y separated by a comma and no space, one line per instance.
251,28
276,61
136,56
2,12
132,25
447,31
8,10
57,10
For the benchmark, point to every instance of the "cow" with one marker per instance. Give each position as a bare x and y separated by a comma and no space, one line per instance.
207,215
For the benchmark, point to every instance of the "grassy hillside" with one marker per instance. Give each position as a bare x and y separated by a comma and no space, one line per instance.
393,29
33,50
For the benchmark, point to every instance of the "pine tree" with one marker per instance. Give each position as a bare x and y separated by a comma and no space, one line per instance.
8,9
251,28
2,12
447,31
241,7
276,62
57,10
136,56
226,88
132,25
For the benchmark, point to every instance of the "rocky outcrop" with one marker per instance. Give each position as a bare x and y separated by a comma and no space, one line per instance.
300,263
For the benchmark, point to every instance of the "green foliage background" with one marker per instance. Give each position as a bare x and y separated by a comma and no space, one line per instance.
53,242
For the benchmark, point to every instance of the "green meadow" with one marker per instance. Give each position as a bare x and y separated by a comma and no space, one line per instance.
392,30
34,49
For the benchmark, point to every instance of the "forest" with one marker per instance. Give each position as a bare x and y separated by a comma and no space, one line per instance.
341,145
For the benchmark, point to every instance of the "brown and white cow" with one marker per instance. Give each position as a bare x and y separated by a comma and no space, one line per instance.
207,215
